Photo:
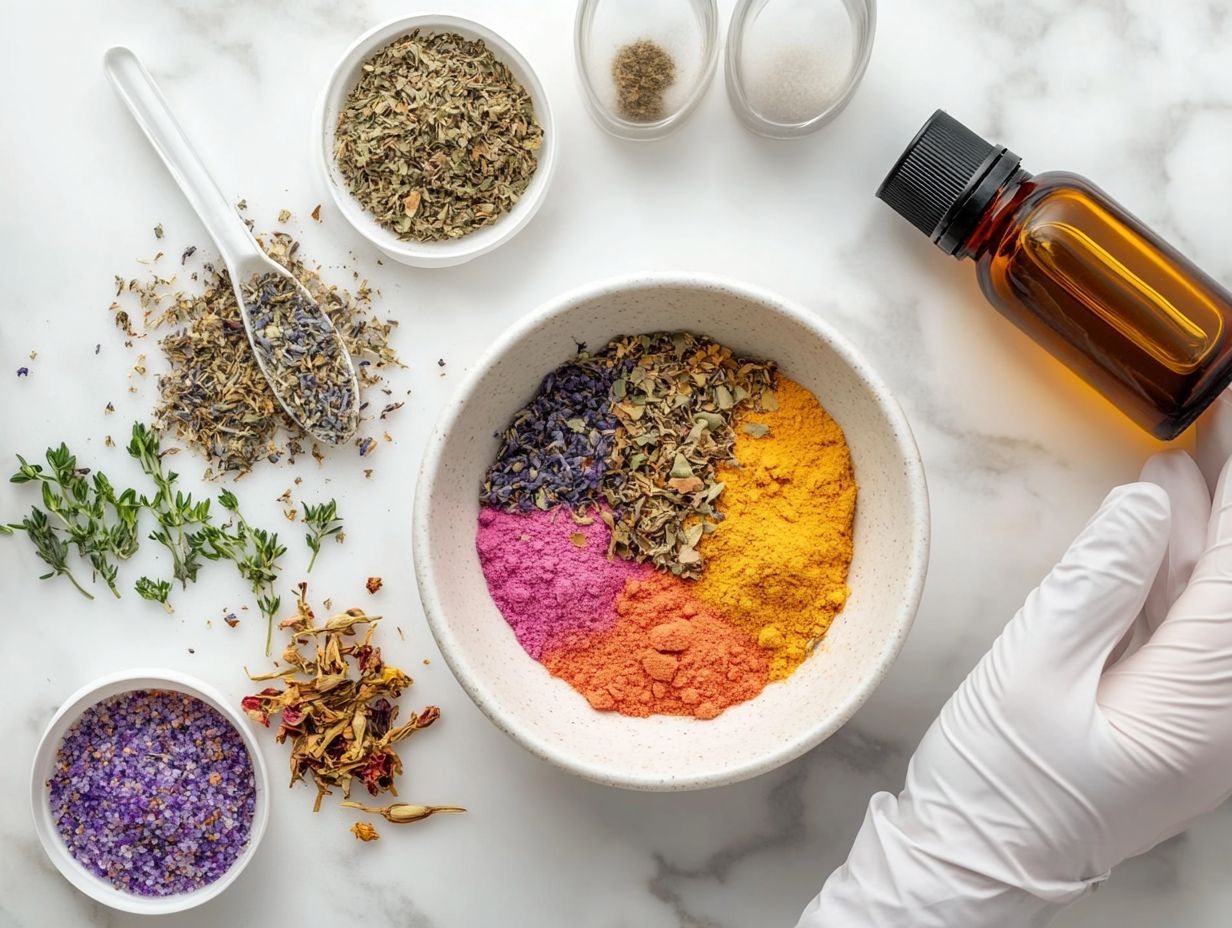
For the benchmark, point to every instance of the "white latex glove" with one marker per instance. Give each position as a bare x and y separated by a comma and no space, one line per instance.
1052,763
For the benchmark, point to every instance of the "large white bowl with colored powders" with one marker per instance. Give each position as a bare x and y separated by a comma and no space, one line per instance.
44,766
545,714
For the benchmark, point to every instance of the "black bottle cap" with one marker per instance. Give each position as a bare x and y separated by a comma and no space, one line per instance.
945,180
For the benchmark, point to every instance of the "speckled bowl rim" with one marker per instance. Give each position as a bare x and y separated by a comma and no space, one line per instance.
44,756
809,736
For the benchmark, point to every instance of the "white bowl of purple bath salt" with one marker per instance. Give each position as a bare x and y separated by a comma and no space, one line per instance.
149,792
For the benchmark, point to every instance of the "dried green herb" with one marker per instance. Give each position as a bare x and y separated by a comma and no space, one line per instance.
214,397
437,138
676,397
337,704
643,71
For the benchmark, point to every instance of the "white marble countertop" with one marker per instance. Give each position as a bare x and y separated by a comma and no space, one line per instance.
1133,93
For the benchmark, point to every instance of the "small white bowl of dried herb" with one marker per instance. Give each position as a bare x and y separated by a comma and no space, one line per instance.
435,139
149,792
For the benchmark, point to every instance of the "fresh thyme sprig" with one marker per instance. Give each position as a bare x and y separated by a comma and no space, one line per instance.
156,591
323,522
255,553
82,511
175,510
47,545
88,513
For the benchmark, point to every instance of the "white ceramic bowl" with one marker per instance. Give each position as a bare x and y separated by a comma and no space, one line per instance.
44,765
428,254
544,714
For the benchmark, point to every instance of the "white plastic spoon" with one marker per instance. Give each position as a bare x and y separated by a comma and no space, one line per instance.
333,419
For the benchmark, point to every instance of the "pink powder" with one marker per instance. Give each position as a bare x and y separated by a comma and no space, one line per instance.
551,588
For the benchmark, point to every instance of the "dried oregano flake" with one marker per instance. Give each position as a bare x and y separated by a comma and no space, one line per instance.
676,399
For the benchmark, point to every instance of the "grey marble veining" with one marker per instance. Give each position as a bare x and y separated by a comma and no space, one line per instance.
1133,93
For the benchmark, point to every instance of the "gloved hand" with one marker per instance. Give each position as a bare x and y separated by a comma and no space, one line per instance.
1099,724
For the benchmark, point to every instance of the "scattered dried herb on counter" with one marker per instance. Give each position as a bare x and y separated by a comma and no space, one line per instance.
336,704
154,792
437,138
365,832
304,358
643,71
214,397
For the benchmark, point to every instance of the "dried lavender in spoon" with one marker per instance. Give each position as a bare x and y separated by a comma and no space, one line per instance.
302,356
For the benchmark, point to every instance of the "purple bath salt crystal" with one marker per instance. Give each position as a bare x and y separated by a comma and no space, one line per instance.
153,791
550,577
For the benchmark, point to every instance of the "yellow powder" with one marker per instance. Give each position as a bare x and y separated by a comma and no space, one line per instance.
777,564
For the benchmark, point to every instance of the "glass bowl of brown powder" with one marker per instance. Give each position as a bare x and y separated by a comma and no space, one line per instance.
645,64
435,139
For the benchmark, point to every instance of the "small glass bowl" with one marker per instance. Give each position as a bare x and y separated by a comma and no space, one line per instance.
798,34
688,30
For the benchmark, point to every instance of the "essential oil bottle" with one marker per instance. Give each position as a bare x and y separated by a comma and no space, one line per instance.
1074,270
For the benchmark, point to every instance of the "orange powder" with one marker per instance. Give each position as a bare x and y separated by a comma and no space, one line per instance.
668,654
777,563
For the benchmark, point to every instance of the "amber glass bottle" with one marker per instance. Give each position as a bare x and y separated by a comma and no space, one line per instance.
1075,271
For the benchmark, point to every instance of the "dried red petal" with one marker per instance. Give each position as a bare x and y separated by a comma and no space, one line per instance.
252,707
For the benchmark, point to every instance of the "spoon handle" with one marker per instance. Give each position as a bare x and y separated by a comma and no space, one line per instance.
133,84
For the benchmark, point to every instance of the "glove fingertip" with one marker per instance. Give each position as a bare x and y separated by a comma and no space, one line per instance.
1144,503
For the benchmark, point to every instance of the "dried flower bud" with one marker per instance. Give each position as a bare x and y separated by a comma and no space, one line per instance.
365,832
402,813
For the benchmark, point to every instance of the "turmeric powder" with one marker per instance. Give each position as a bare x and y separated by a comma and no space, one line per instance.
777,564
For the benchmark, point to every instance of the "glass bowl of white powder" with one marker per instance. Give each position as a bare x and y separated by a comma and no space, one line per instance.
793,65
